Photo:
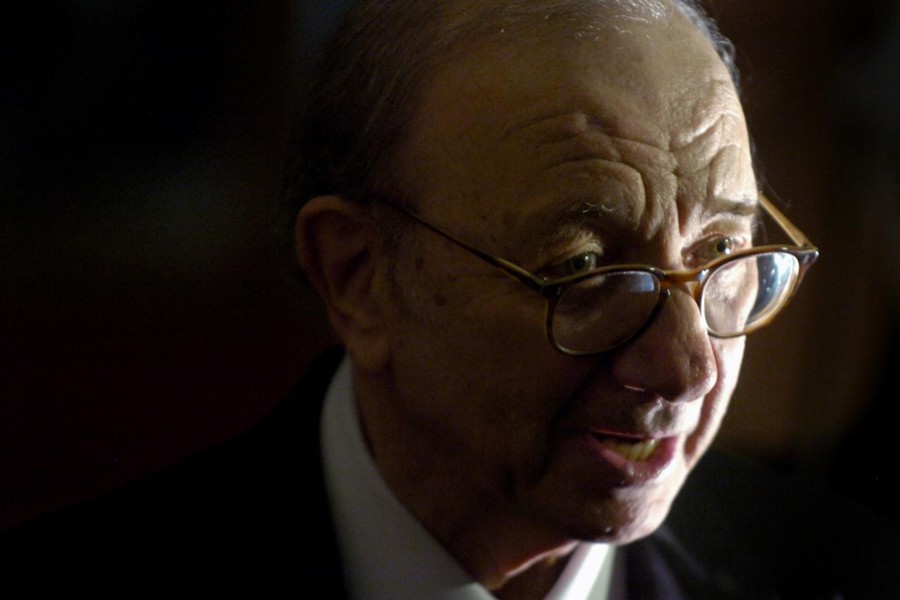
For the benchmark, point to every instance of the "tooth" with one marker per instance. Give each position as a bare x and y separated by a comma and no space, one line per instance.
645,451
650,448
635,452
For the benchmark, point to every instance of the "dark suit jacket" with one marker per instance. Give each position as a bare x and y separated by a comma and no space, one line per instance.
252,516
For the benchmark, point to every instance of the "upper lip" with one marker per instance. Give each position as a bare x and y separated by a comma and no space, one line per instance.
642,420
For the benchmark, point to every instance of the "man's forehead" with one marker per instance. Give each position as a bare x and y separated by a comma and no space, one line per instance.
618,83
624,51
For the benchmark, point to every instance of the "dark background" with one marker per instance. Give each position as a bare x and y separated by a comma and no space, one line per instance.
148,309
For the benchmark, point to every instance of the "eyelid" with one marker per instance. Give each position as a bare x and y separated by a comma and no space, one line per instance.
739,227
554,268
704,251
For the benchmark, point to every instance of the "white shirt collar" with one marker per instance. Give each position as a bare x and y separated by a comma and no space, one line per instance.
386,552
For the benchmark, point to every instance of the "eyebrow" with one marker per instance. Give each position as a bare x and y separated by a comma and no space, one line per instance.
744,206
548,227
552,226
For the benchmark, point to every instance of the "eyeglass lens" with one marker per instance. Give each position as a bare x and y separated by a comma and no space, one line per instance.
601,312
746,292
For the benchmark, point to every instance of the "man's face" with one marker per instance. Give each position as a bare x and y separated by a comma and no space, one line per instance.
625,146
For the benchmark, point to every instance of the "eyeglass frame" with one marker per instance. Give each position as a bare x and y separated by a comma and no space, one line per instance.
805,252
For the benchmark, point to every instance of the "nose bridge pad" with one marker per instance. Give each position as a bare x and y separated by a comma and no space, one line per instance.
691,287
664,294
689,290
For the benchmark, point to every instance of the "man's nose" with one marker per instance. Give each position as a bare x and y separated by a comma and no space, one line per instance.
673,357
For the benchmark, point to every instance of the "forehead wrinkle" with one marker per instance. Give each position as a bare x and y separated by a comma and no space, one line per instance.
729,173
607,176
710,120
574,136
584,145
729,187
705,145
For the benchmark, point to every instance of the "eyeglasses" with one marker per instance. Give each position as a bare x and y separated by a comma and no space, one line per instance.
599,309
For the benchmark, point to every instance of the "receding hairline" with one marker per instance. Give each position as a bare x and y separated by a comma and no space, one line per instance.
512,12
465,22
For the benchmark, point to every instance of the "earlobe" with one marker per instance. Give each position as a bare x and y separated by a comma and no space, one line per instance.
338,250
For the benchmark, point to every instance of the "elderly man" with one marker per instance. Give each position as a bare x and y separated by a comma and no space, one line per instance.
493,412
532,224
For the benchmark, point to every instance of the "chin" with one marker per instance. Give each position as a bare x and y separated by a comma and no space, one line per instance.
621,516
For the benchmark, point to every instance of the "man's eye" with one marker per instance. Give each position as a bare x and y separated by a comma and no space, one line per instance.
580,263
719,247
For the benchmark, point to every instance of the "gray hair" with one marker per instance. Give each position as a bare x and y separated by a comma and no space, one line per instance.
364,93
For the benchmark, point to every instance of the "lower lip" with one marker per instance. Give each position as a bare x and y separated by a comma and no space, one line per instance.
629,473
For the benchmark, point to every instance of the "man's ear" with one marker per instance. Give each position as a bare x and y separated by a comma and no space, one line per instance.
338,250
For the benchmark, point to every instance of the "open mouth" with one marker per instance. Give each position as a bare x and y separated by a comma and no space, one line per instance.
636,451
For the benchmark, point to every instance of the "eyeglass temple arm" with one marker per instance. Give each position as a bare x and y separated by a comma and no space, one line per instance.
511,269
795,234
